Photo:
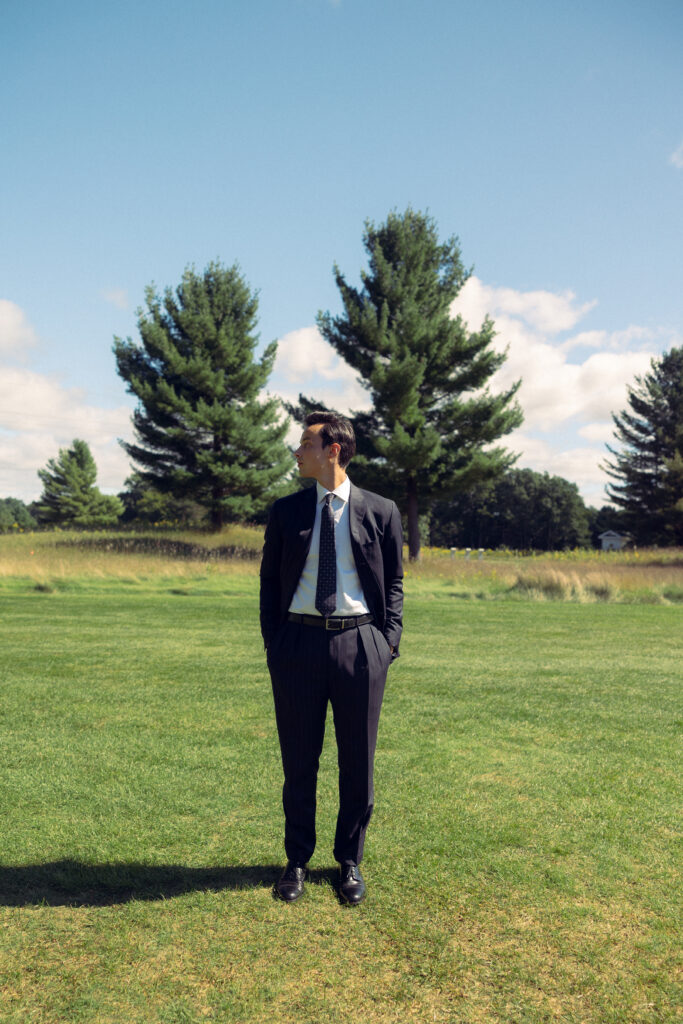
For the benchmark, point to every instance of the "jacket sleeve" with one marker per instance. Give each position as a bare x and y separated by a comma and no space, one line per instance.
271,578
392,556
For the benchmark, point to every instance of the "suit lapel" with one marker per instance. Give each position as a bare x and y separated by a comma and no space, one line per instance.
308,517
356,513
306,521
364,557
300,530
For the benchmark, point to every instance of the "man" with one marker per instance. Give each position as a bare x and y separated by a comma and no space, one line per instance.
331,605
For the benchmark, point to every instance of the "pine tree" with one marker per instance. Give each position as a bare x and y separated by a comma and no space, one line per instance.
648,469
433,418
70,497
202,431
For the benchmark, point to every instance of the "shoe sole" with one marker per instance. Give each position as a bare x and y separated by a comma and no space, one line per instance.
351,903
289,899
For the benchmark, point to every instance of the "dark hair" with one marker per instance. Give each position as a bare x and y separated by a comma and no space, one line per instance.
336,430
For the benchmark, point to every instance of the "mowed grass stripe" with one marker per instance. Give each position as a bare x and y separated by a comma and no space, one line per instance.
522,862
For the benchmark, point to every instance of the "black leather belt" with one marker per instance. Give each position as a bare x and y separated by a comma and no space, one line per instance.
339,623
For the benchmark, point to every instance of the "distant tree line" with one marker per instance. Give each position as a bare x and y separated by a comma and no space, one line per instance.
15,515
522,510
209,444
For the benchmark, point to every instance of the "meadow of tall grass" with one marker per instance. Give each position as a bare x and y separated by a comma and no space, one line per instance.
650,576
64,559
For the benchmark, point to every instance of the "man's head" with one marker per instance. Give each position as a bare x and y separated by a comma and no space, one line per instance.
327,443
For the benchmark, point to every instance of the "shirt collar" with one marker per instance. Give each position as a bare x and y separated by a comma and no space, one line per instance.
342,492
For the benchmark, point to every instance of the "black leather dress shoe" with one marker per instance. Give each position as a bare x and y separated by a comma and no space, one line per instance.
351,884
290,885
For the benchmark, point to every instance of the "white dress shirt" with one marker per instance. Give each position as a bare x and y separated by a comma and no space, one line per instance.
350,598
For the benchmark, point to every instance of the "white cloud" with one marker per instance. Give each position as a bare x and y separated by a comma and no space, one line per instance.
38,416
602,382
307,364
16,333
586,339
676,157
563,402
31,401
116,296
553,390
602,432
548,312
632,337
580,465
22,455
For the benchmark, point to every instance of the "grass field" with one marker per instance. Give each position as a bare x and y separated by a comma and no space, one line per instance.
522,864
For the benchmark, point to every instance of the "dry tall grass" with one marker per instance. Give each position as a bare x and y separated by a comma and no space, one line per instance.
652,575
48,559
51,560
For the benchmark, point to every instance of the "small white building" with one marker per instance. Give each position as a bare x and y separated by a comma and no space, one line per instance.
612,541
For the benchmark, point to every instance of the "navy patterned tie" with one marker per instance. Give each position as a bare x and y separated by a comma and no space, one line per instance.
326,588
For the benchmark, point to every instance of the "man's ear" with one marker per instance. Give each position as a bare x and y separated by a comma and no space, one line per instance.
334,449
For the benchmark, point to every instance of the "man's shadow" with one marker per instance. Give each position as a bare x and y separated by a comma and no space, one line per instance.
71,883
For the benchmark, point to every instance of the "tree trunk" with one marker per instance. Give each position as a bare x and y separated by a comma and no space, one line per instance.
413,522
216,511
216,493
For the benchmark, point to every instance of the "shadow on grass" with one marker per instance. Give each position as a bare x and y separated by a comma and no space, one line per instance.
71,883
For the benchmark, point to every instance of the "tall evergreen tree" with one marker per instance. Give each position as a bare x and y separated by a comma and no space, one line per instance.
202,431
648,468
433,419
70,497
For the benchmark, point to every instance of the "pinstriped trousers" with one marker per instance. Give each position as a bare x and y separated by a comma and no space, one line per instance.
310,666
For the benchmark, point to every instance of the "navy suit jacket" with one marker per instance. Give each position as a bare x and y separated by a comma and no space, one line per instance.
377,545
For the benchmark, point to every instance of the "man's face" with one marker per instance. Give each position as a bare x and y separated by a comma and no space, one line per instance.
311,458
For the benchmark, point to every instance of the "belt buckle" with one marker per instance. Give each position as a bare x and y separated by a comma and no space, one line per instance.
330,628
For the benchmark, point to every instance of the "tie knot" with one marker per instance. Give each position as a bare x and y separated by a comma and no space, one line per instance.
328,498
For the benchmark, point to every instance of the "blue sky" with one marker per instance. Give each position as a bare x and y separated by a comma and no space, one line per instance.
138,138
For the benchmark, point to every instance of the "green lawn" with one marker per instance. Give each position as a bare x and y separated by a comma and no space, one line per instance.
521,864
